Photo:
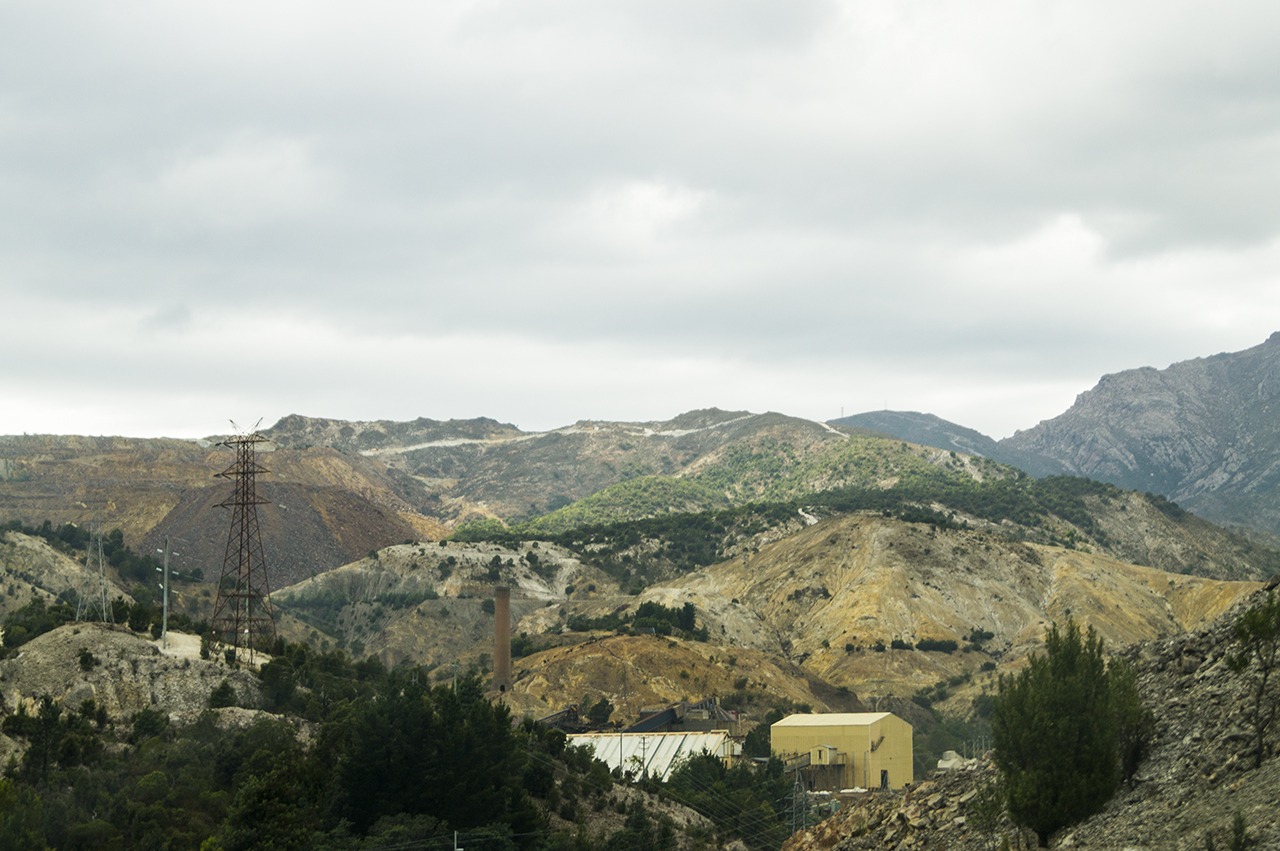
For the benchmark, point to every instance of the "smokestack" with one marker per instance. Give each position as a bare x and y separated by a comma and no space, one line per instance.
502,639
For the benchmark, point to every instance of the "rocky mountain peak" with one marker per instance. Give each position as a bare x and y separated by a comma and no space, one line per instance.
1203,432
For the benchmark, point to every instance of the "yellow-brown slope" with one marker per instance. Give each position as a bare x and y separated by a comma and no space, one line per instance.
639,671
827,595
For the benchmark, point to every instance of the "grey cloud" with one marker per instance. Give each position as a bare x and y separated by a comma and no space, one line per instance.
765,184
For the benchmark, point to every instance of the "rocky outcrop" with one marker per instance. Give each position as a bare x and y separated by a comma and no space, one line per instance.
1203,433
934,814
122,672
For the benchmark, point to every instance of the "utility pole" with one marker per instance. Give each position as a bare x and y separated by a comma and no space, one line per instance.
164,617
107,615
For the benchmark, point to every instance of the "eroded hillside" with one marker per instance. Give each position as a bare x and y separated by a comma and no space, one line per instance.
825,605
829,595
31,569
322,508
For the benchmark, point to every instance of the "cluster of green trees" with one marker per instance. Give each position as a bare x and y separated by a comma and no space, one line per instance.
644,496
38,617
66,538
746,802
35,618
392,761
649,616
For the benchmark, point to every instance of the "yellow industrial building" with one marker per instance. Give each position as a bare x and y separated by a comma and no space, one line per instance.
845,750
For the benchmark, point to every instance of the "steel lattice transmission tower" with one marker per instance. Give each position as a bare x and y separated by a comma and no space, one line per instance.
242,615
94,593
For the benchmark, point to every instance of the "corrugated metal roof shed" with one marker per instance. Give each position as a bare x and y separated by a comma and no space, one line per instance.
655,754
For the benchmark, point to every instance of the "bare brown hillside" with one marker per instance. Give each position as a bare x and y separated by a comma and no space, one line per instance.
808,609
30,568
827,595
323,508
634,672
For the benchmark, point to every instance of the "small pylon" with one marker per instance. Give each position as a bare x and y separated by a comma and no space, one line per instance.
242,615
93,594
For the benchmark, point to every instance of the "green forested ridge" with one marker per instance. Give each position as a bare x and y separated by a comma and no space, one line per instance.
645,496
1061,510
766,470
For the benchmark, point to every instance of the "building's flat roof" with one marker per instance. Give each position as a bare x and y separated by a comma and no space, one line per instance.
833,719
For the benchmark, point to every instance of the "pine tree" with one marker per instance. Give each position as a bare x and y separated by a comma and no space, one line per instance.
1066,729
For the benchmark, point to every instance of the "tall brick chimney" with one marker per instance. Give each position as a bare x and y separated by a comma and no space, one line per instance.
502,639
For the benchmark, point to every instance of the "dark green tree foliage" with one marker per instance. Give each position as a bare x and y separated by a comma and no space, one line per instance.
393,763
388,746
20,815
600,712
148,724
67,538
744,801
1257,651
1135,725
33,619
222,696
640,833
390,832
56,738
1059,729
276,792
279,685
649,616
758,742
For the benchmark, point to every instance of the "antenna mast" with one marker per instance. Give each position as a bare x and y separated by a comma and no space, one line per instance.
242,615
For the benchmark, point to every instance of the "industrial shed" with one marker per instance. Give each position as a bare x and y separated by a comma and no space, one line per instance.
871,750
654,754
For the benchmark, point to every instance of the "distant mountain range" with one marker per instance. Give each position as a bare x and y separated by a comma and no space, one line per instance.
815,554
1204,433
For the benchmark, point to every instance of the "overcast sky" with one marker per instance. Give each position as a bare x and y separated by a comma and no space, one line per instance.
543,212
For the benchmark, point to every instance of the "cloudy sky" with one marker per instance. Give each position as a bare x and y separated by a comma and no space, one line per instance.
623,209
